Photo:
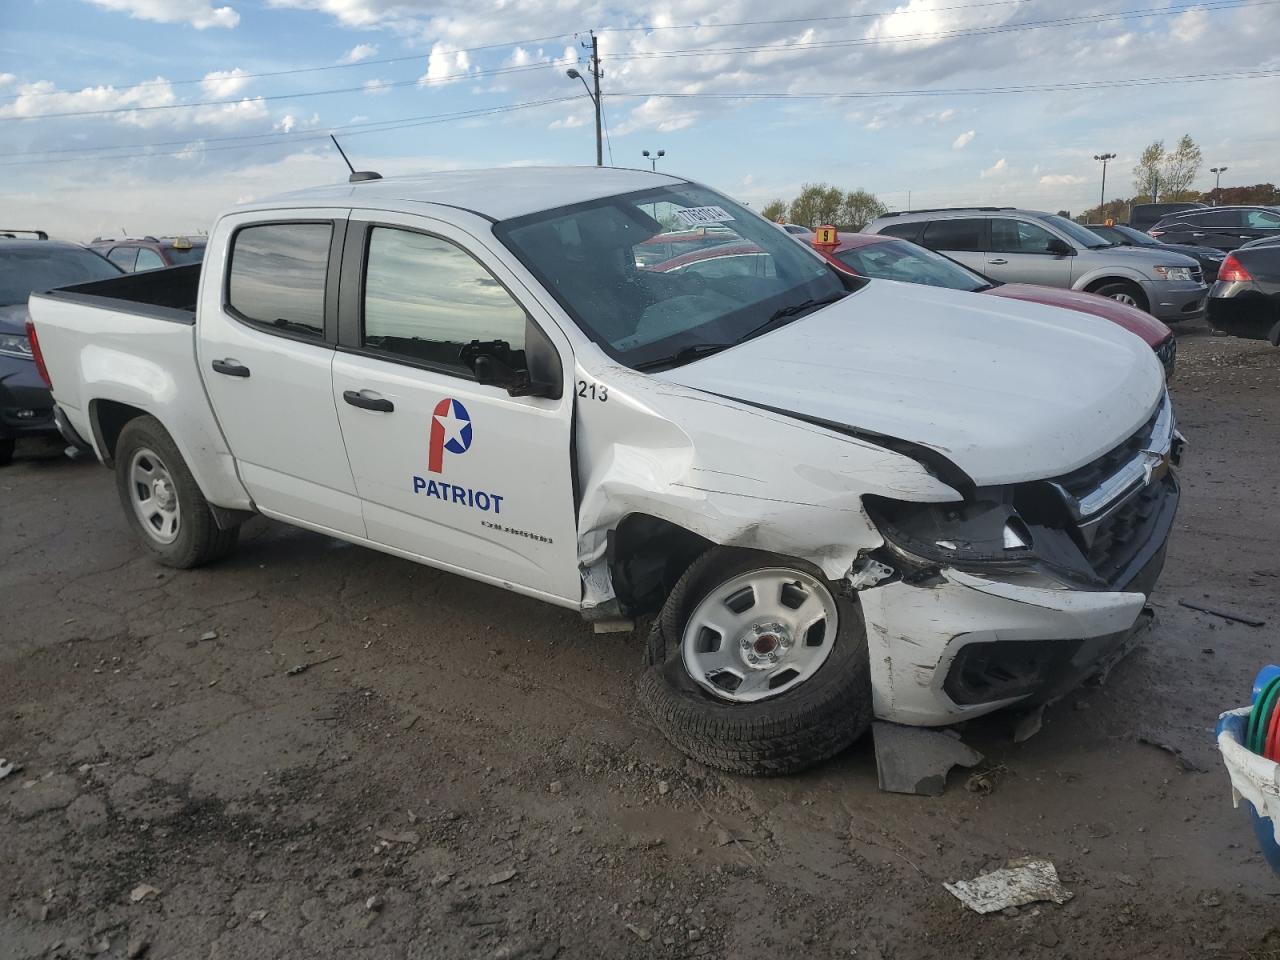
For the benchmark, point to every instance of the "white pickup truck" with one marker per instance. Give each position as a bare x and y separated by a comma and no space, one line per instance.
623,393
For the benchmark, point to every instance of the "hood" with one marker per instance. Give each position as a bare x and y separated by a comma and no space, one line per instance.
1136,321
1192,250
13,318
1140,257
1004,389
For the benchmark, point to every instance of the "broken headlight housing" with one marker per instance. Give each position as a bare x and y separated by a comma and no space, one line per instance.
986,530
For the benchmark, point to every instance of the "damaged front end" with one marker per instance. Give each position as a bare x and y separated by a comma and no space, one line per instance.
1019,592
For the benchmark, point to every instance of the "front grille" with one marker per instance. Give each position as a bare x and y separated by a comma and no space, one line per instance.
1116,539
1085,480
1167,352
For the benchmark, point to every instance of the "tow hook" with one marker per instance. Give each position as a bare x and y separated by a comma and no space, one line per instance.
868,572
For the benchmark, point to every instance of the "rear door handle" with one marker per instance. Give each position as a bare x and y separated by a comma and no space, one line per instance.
367,400
997,261
232,368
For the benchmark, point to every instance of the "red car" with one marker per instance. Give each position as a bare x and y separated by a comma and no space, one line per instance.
889,258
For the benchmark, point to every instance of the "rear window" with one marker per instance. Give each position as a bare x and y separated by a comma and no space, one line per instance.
33,269
277,276
964,233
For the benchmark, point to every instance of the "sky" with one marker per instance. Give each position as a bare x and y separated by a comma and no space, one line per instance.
218,102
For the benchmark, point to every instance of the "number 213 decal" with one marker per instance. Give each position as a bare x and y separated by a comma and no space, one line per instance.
591,391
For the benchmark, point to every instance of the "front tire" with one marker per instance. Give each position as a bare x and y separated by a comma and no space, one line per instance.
168,513
1124,292
764,698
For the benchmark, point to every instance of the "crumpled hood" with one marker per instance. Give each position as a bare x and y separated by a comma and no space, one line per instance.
13,318
1006,390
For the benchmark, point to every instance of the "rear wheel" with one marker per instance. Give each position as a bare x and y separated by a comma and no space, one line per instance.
757,666
167,511
1123,291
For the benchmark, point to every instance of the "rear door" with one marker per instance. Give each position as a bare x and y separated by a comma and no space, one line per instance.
451,471
961,238
1019,252
265,346
1209,228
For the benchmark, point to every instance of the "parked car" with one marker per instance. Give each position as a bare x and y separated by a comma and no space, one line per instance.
1223,227
888,258
1143,216
1209,258
150,253
842,498
26,409
1245,302
1026,246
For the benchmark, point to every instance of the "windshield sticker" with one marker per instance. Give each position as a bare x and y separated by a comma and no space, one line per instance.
700,216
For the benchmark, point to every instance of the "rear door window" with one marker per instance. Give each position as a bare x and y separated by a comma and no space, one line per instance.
277,276
123,257
904,231
148,260
1213,218
964,233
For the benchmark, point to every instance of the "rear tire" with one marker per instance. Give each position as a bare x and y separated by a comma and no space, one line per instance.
803,725
1125,292
6,450
164,505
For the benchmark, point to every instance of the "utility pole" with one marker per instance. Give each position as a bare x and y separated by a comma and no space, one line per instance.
1102,198
573,74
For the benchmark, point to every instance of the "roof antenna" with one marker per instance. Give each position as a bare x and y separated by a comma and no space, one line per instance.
356,175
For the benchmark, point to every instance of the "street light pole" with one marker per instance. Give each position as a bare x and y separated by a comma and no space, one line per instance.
1217,182
653,158
573,74
1102,198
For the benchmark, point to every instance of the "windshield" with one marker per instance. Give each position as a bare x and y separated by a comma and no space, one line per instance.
180,256
34,269
1081,235
902,260
657,273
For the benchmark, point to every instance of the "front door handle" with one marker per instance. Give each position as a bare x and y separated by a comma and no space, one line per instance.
232,368
366,400
998,261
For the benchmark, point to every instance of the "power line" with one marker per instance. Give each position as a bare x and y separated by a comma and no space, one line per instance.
1082,20
825,19
350,130
963,91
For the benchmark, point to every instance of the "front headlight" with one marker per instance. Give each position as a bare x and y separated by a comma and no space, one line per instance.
1173,273
985,531
15,345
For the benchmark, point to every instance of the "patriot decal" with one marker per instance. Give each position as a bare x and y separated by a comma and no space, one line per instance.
450,430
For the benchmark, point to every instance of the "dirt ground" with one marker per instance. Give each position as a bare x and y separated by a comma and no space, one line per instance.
467,773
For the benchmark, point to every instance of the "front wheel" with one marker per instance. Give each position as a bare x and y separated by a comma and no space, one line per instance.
162,501
1122,291
757,666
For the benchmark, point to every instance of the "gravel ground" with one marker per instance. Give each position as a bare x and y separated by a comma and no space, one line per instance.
467,773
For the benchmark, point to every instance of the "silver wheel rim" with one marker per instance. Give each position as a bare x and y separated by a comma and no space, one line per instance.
1126,298
760,634
154,496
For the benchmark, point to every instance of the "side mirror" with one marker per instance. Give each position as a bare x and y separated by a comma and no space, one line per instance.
495,364
1060,248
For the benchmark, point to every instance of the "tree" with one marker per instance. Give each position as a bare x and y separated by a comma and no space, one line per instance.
775,210
817,204
1179,169
1117,210
1147,174
1265,194
858,208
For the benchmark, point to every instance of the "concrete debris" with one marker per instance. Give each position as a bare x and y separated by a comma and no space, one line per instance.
663,788
502,876
1019,882
142,891
209,635
257,916
441,879
556,786
391,836
7,767
375,904
917,760
137,947
640,932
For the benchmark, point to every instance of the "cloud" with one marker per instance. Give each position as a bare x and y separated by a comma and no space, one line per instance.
286,123
963,140
199,13
43,96
6,79
996,169
361,51
658,113
1190,26
1061,180
376,87
573,120
445,62
224,83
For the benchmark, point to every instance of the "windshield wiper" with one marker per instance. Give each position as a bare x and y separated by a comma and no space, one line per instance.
682,356
783,313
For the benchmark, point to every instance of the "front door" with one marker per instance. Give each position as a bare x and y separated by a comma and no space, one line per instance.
265,347
448,470
1020,252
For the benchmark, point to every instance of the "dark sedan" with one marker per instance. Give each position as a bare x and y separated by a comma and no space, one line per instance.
1245,302
1209,258
26,266
1223,227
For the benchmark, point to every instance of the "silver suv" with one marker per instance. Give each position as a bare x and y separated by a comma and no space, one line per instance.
1026,246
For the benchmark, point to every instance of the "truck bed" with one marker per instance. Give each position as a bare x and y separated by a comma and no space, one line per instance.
168,294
